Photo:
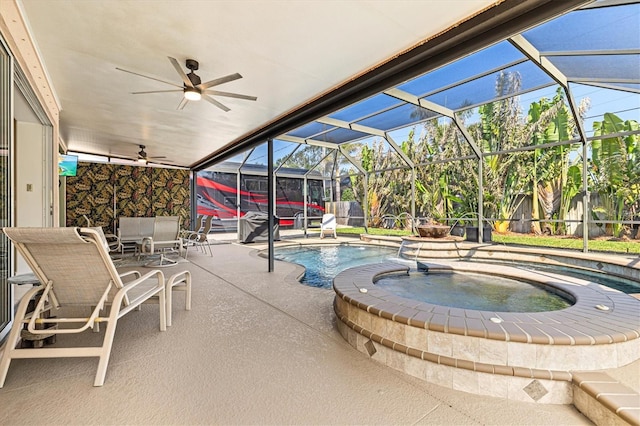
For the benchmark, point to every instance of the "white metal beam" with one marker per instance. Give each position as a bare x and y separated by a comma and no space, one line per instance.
532,53
353,161
351,126
436,108
402,95
399,150
296,139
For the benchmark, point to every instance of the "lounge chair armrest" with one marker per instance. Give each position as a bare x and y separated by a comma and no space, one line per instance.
136,274
178,278
113,241
142,278
122,293
189,235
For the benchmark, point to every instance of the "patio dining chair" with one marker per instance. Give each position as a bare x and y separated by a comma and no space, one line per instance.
165,239
199,238
80,281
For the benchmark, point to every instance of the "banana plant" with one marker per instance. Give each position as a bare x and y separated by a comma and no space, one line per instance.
553,176
616,169
500,129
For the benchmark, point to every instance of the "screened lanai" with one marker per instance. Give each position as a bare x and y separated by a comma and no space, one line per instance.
537,133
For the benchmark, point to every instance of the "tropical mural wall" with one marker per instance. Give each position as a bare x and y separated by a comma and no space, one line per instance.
103,192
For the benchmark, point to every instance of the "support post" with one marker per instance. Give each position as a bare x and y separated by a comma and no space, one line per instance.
480,201
365,202
305,194
585,199
238,199
270,202
413,198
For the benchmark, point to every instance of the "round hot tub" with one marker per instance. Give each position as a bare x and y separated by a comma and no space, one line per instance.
477,291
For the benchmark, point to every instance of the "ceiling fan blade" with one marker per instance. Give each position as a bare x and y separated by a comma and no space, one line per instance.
225,79
216,103
121,156
178,68
156,157
182,103
149,77
156,91
231,95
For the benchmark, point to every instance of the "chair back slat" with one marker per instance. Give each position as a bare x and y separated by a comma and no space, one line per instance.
166,228
166,232
206,228
74,260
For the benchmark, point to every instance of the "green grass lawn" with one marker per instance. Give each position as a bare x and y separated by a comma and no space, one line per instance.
570,243
373,231
630,246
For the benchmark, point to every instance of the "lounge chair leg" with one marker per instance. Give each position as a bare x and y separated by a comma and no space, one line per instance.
14,334
106,353
162,302
9,346
4,367
182,279
169,301
187,304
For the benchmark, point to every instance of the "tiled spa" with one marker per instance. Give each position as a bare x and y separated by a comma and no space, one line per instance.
519,356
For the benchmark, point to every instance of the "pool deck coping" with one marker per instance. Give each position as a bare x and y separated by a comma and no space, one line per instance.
580,324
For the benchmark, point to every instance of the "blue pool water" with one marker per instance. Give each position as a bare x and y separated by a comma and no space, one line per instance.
618,283
324,262
473,291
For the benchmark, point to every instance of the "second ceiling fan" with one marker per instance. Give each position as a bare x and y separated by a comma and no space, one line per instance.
193,88
143,157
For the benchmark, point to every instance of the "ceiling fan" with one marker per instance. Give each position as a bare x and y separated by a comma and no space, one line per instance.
144,158
192,87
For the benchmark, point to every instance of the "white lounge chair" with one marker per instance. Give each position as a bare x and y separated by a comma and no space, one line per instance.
328,225
75,270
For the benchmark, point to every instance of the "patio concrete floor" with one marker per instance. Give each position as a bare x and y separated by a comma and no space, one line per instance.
256,348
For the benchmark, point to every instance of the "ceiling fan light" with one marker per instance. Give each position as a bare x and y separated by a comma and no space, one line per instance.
191,94
142,160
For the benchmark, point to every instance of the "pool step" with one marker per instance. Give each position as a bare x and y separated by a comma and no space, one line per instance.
604,400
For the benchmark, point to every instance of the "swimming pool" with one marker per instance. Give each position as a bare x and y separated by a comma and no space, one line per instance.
473,291
618,283
324,262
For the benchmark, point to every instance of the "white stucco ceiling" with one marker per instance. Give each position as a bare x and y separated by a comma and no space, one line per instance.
288,52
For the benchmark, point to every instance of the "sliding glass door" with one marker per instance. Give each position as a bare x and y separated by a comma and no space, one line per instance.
5,205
